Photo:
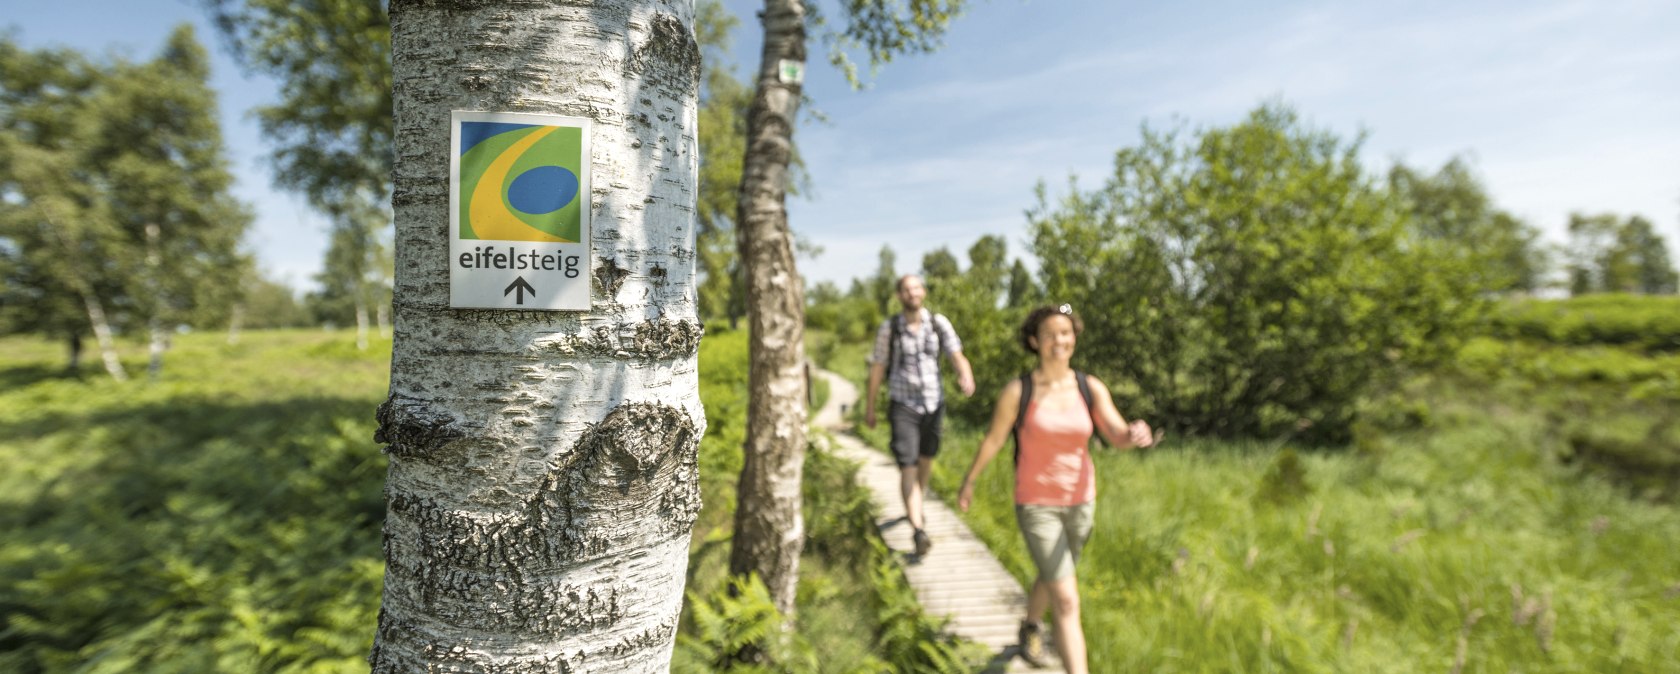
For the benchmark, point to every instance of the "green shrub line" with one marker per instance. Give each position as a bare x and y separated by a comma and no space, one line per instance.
1650,322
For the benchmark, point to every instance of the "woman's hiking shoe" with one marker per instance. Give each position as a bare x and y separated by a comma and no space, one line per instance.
1030,641
923,543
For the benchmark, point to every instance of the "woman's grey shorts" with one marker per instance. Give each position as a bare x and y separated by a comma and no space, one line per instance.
1055,535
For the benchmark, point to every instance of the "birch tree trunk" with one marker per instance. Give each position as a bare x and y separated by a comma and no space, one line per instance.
102,334
235,322
154,290
361,317
769,530
543,479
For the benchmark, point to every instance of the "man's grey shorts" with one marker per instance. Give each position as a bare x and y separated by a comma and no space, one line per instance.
914,435
1055,535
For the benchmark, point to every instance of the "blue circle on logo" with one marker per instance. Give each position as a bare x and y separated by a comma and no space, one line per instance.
543,189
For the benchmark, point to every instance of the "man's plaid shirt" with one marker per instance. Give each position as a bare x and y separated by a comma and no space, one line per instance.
914,380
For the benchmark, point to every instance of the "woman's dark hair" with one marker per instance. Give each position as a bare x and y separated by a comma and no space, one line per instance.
1029,327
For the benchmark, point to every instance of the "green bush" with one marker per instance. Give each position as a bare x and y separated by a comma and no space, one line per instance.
1250,281
1561,364
1649,322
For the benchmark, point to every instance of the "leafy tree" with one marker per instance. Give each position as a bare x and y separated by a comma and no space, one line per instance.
1249,280
724,101
169,189
939,266
971,299
543,479
823,306
332,125
349,282
883,286
768,527
1591,238
1612,255
1501,252
272,304
60,244
1641,259
1023,290
116,211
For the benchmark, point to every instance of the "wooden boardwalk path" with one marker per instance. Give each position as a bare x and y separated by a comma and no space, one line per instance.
959,577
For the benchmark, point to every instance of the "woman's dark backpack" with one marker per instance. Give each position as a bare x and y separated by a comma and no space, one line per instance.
1079,378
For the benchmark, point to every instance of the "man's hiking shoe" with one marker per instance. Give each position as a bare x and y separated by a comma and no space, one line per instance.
923,543
1030,641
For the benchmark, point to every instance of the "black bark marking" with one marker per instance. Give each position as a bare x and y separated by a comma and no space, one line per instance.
610,277
506,318
410,429
652,341
669,42
630,446
470,568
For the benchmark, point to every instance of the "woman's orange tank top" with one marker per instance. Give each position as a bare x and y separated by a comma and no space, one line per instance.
1055,462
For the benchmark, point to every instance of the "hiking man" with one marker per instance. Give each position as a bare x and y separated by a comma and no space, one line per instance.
906,354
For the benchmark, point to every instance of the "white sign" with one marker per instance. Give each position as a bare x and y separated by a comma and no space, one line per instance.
518,211
790,72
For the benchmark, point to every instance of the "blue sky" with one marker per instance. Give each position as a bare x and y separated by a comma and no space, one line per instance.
1562,105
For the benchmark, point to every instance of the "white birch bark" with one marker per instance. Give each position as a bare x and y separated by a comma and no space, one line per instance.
769,529
543,481
235,322
102,334
361,318
154,323
95,311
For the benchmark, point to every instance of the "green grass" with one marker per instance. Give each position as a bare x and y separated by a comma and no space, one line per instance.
1467,526
849,609
1618,409
226,516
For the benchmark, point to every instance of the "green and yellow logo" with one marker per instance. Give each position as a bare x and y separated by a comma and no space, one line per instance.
519,182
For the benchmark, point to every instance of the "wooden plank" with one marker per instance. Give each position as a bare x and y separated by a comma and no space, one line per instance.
959,577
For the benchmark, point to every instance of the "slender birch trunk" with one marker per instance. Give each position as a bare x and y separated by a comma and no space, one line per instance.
361,318
154,323
543,475
95,311
769,530
102,334
235,322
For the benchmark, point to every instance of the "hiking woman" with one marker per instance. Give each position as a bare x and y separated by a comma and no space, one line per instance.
1055,481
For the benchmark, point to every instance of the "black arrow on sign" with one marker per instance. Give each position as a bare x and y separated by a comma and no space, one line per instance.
519,287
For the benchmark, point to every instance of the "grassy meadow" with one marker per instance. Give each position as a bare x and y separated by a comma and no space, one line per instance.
226,517
1513,511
